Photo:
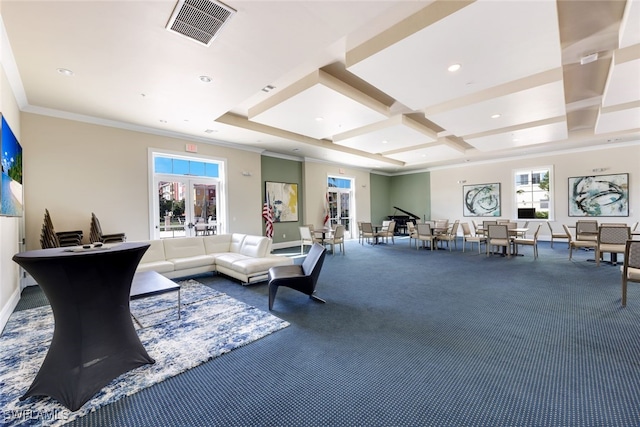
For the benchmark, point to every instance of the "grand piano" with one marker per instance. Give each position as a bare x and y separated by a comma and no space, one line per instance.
401,220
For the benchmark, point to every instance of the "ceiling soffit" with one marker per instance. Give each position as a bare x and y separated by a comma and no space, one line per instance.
319,106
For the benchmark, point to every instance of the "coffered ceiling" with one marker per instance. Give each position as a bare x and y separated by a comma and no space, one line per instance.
361,83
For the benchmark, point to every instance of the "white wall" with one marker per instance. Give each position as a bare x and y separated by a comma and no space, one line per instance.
10,227
74,168
446,192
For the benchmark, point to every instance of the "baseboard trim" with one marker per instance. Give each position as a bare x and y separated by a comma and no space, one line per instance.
8,308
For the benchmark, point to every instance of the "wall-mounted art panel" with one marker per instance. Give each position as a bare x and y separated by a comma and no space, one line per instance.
599,195
283,199
11,161
481,200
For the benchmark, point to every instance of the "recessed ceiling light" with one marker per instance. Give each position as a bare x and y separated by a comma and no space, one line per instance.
319,119
385,141
65,72
296,149
495,116
205,79
454,67
268,88
210,131
163,121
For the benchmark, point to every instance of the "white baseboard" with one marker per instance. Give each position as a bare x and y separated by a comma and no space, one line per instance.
284,245
8,308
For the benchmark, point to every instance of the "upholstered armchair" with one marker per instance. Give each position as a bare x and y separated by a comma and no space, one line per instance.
631,267
587,230
367,232
451,235
425,234
555,234
467,236
574,244
387,232
412,231
612,239
336,239
529,241
306,237
302,278
498,235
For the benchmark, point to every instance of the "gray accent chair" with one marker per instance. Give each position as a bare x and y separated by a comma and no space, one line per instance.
302,278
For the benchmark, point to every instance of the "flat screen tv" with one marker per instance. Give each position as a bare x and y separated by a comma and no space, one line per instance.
526,213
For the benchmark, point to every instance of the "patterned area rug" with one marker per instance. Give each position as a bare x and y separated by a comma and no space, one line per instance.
211,324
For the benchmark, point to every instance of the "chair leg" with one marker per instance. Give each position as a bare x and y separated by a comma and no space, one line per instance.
624,291
272,295
315,297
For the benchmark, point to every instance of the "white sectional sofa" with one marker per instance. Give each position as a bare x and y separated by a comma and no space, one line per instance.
241,256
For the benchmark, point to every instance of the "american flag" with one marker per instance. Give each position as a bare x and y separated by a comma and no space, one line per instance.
267,214
326,210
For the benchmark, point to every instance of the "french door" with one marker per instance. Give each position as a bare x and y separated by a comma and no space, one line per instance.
340,212
186,207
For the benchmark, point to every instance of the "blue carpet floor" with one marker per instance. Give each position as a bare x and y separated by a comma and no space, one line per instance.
418,338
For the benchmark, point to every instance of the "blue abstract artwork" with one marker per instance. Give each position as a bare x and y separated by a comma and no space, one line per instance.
481,200
11,162
599,195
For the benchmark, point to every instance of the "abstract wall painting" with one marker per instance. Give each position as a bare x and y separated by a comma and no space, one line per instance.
481,200
11,162
599,195
283,199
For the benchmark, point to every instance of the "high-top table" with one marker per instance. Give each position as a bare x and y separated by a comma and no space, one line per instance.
94,340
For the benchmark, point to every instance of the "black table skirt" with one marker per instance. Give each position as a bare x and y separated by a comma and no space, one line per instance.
94,340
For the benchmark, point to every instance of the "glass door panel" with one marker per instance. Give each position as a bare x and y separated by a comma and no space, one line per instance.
340,208
204,197
332,196
171,199
345,204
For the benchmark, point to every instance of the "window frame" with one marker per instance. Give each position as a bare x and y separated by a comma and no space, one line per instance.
530,171
221,183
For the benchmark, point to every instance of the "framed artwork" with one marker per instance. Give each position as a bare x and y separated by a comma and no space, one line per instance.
599,195
11,162
481,200
283,199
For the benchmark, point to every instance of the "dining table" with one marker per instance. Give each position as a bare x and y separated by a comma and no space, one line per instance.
323,233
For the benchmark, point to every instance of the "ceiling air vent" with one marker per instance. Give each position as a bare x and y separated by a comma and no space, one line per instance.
199,20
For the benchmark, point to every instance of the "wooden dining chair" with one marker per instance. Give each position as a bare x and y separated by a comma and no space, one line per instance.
529,241
498,236
575,244
563,235
467,236
631,267
425,234
367,232
612,239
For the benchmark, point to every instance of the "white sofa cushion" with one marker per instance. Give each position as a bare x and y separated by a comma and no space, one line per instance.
154,253
227,260
159,266
183,247
217,243
255,246
193,261
250,266
154,258
236,242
